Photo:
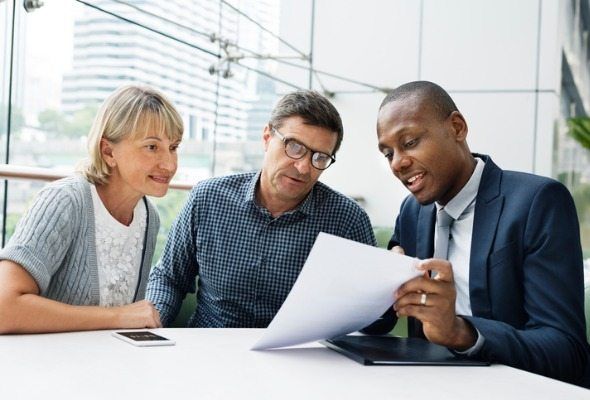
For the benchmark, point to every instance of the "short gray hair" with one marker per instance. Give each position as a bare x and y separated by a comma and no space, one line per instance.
313,108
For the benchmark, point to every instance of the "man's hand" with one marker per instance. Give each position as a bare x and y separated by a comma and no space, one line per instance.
432,301
398,249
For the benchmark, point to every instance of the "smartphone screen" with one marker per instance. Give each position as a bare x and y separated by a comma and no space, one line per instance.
143,338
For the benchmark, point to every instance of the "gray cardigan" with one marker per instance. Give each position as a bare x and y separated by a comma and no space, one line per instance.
55,242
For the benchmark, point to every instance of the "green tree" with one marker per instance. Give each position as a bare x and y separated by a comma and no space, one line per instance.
579,129
581,195
17,121
168,208
81,121
11,221
70,126
51,121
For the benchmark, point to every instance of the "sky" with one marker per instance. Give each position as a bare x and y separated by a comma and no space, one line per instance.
47,50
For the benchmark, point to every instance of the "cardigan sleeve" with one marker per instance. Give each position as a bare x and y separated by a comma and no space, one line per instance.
43,235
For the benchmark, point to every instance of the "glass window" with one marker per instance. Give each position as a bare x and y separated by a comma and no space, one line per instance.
176,46
5,35
572,162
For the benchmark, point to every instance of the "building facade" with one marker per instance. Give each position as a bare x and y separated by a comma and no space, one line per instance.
517,71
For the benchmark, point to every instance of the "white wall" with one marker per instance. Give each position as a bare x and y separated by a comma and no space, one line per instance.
502,70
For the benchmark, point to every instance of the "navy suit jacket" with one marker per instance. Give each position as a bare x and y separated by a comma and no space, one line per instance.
525,272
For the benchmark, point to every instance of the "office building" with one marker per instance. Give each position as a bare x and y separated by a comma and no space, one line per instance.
174,55
517,71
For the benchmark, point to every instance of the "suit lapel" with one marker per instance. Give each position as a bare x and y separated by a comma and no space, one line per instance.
425,232
488,208
424,249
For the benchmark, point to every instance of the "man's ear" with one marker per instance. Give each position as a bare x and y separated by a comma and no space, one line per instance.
459,126
266,136
106,152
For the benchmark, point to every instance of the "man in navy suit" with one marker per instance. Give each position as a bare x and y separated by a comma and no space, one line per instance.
510,288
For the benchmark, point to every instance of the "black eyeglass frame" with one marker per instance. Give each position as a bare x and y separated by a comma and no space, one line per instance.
286,141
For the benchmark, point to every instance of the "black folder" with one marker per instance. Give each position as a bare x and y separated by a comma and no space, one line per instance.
390,350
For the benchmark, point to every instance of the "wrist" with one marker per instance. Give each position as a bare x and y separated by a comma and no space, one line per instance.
464,337
114,317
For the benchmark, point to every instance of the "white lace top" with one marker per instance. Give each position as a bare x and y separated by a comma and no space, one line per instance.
118,252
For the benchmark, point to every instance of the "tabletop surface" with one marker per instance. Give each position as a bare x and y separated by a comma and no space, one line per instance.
217,364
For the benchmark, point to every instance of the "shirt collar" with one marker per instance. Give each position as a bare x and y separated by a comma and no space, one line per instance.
250,195
306,206
466,196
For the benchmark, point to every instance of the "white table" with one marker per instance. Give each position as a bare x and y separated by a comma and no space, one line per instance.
217,364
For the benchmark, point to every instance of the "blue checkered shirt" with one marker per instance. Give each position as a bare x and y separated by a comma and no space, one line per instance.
244,260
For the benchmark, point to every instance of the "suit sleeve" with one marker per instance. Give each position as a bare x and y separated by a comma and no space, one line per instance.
552,341
388,320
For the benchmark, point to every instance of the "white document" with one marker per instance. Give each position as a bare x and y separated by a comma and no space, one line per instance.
344,286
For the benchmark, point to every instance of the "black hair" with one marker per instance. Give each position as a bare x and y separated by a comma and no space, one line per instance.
433,94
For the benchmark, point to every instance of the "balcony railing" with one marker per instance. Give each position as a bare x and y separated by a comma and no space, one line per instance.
9,171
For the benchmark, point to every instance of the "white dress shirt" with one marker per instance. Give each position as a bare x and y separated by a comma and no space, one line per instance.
461,208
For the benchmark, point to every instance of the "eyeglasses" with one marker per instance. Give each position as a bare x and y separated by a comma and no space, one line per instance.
297,150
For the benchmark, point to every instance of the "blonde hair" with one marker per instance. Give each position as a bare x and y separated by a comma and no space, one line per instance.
125,111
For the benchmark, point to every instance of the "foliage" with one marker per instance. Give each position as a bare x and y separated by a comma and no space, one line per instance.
17,121
69,126
81,121
563,177
51,121
581,195
579,129
168,208
11,221
382,235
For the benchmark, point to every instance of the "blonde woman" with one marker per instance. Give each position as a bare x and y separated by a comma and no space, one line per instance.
80,257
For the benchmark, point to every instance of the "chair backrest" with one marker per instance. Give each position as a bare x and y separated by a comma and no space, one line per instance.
186,310
382,234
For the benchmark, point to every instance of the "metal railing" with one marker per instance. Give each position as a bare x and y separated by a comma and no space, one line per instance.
9,171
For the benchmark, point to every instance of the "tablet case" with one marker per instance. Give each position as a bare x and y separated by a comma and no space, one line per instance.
390,350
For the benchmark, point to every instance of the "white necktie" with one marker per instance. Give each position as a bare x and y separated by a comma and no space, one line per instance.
443,230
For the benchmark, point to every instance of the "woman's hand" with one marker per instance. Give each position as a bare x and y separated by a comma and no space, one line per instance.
141,314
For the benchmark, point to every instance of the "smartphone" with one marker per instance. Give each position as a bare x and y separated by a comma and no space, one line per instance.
143,338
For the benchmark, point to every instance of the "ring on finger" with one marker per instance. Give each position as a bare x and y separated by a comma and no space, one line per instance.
423,299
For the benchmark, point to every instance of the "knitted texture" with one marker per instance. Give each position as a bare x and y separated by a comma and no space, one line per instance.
55,242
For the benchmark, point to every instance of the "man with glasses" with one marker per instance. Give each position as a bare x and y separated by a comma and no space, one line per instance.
245,237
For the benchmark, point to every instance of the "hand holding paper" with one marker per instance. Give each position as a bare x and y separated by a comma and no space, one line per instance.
343,287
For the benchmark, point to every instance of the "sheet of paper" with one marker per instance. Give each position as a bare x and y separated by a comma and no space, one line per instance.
344,286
